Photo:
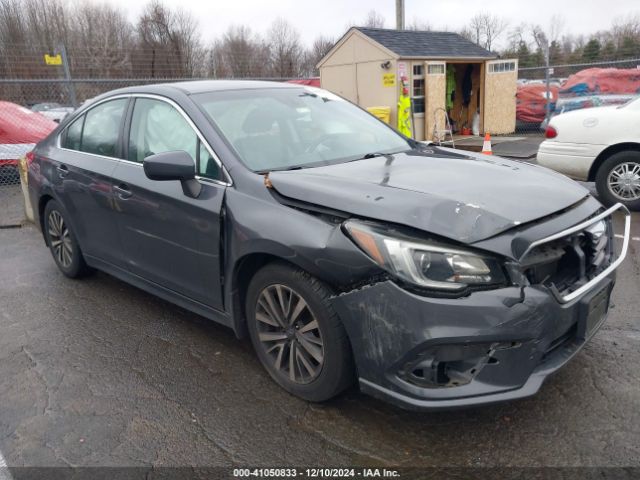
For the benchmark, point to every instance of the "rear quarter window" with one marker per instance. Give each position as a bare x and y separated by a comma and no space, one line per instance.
73,134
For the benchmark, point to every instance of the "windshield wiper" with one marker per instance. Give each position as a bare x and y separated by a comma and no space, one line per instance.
367,156
281,169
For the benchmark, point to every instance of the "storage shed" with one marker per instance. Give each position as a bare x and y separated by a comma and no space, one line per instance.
444,71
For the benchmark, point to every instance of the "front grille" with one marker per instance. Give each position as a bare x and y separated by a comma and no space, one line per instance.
568,263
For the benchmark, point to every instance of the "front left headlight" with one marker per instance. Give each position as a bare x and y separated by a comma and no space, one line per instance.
425,264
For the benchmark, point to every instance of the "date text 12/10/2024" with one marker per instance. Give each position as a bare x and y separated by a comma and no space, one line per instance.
315,473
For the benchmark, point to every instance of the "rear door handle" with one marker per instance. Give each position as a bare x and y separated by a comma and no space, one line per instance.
123,191
63,170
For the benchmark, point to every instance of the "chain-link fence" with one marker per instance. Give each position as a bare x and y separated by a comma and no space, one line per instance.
30,105
9,173
541,95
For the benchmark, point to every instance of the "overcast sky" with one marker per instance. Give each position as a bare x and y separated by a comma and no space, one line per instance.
330,17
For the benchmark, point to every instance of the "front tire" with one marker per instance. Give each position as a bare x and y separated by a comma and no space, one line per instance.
618,180
296,334
62,242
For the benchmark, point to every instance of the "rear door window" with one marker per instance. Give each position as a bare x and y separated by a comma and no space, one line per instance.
102,127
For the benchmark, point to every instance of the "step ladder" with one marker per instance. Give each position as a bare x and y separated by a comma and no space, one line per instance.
439,136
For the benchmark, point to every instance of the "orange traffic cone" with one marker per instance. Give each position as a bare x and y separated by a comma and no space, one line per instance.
486,146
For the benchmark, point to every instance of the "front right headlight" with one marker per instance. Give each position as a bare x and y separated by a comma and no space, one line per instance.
425,264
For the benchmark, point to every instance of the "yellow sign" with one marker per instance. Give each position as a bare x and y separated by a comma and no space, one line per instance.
389,80
53,59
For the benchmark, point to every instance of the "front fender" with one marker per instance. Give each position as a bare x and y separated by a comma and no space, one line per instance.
259,227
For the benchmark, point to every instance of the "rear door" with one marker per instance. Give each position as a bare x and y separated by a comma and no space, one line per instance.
169,238
81,173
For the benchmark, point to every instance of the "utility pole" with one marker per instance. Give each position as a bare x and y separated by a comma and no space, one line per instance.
547,75
67,75
399,14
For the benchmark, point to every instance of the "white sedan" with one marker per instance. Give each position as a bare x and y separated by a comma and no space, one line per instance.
599,145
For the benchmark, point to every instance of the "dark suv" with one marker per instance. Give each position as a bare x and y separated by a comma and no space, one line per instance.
435,277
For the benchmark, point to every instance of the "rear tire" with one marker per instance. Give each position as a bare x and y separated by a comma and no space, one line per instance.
618,180
62,242
289,316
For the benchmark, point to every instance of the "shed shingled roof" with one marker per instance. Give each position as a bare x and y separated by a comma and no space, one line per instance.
425,44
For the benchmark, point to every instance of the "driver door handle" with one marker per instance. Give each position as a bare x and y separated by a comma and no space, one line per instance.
123,191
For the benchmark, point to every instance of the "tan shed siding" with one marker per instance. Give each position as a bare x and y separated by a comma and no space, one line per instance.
357,48
340,80
372,92
366,50
500,98
343,55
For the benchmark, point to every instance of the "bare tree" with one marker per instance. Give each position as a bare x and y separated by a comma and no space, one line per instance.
320,47
169,41
468,33
240,54
13,28
101,42
475,28
487,28
626,27
13,40
518,36
539,37
29,29
373,20
216,63
419,25
48,22
556,27
285,49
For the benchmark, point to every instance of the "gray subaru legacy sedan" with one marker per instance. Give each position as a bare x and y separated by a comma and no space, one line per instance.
432,278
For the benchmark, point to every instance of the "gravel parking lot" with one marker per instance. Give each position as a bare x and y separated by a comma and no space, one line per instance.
96,372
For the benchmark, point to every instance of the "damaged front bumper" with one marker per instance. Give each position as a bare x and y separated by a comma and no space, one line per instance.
433,353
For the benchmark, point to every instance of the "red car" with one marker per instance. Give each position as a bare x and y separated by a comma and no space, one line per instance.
20,130
311,82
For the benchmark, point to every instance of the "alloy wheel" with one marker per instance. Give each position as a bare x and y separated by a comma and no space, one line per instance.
60,239
289,334
624,181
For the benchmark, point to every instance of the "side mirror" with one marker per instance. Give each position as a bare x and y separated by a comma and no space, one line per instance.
176,165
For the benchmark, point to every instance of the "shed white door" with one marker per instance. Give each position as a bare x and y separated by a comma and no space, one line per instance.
435,83
500,86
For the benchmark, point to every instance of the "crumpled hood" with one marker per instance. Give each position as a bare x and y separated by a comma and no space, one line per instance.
458,195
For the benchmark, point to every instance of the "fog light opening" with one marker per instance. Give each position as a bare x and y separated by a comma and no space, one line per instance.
445,366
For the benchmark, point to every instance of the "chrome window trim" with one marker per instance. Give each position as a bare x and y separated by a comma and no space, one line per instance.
184,115
581,226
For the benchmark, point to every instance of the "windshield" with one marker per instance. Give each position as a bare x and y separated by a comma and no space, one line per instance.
280,128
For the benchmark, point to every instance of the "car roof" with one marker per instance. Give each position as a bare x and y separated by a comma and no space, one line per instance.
204,86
